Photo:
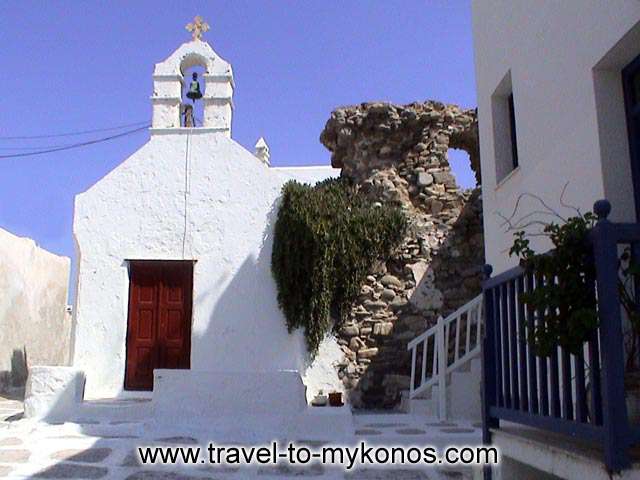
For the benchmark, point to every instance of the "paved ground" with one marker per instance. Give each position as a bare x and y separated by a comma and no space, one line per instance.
10,408
105,449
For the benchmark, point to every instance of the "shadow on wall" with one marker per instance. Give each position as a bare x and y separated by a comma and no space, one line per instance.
246,330
449,280
15,378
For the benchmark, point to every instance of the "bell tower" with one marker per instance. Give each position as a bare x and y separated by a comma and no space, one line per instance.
169,81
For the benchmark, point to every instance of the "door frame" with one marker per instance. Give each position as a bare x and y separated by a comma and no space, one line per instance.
632,113
189,304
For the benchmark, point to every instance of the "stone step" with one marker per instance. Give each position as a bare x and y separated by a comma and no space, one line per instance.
114,410
463,395
421,406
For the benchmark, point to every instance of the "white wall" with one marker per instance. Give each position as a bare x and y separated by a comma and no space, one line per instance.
33,317
138,212
564,58
168,77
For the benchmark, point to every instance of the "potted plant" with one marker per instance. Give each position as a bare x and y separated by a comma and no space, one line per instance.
335,399
320,400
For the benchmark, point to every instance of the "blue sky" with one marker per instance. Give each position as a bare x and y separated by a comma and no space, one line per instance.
71,66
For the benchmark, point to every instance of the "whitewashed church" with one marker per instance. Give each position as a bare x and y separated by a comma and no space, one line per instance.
174,252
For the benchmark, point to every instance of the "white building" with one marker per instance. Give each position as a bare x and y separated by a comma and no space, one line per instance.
563,64
174,251
558,103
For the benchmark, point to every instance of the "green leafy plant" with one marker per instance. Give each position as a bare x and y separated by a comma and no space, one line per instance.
327,238
563,299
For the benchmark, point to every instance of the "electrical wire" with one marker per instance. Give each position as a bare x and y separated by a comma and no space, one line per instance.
71,134
76,145
187,189
39,147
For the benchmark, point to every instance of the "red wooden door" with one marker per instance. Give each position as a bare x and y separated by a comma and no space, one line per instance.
159,327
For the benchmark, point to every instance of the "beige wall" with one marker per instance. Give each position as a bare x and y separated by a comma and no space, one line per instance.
33,318
563,60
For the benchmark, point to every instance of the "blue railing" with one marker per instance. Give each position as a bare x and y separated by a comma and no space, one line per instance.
577,395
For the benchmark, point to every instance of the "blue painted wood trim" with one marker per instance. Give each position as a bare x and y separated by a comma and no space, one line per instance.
615,420
582,431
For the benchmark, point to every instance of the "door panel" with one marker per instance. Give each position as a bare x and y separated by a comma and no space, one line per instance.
159,333
143,324
146,324
175,316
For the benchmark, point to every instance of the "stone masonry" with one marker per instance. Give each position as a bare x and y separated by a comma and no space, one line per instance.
398,154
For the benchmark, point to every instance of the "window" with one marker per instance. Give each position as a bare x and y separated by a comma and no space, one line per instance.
512,129
504,129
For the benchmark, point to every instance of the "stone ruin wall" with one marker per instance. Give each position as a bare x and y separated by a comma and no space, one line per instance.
398,154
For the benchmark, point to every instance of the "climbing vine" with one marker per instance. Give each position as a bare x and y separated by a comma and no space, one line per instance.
564,301
327,238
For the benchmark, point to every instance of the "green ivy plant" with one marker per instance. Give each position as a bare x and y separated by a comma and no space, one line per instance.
564,302
327,238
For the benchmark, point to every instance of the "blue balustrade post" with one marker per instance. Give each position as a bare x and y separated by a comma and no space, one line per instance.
488,368
615,420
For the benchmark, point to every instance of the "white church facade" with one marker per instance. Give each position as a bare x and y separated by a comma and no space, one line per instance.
174,250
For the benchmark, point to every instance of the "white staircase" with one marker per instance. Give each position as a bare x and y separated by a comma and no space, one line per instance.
462,396
446,366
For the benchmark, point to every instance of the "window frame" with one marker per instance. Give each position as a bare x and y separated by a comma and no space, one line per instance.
505,141
515,163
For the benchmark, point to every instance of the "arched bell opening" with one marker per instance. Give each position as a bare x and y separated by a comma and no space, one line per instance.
212,108
193,69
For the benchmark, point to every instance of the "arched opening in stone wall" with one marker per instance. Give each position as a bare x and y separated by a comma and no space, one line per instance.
438,267
460,164
198,105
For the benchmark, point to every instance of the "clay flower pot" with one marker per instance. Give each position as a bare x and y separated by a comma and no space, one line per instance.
320,400
335,399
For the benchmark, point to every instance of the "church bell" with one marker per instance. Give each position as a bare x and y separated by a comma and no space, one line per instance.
194,92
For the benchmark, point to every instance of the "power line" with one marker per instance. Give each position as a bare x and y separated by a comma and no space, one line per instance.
76,145
71,134
38,147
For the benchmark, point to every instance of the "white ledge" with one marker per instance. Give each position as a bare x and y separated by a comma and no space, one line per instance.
507,177
166,99
217,100
217,78
167,76
186,130
208,77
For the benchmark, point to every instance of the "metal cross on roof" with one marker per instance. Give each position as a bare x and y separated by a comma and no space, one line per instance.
197,27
